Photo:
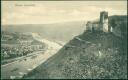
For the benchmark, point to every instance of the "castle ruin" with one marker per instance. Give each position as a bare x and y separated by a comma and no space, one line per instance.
99,25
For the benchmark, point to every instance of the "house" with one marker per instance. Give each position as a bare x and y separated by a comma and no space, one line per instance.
25,42
36,45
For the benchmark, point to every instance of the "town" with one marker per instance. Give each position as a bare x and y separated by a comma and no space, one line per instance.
15,45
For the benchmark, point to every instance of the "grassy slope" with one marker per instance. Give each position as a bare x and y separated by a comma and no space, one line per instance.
104,57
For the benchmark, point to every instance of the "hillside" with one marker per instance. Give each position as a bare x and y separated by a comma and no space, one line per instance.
90,55
57,31
119,24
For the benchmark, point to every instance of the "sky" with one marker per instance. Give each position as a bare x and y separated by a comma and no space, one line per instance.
46,12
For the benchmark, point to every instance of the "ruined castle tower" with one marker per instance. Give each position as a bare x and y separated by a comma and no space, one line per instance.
104,21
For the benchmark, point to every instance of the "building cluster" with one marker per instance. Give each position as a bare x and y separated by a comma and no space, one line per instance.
12,48
17,50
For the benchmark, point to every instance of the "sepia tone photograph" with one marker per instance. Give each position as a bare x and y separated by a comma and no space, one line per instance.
64,39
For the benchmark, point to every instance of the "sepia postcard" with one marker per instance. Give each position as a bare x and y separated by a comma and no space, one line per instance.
64,39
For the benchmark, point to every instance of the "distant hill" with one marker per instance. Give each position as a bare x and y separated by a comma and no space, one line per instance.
58,31
90,55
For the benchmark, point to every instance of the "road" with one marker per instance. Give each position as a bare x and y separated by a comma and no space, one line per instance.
20,67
